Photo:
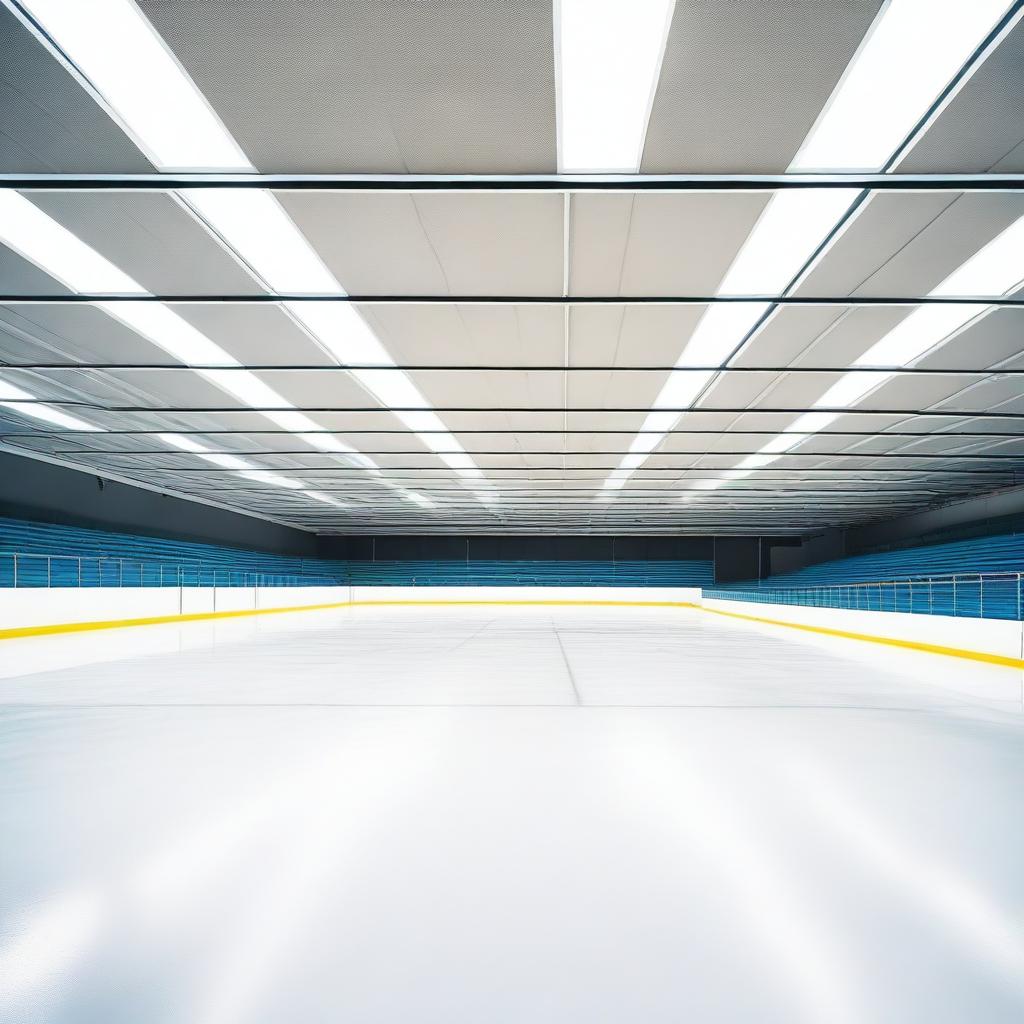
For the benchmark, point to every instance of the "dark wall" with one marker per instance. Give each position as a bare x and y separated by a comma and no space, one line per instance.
740,558
534,549
43,492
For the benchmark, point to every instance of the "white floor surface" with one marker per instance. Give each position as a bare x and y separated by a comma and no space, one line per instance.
506,815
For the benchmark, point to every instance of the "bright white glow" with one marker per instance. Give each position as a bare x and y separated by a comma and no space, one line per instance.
722,327
971,915
681,388
47,944
55,250
248,388
615,481
186,444
758,461
232,462
664,785
326,499
660,421
274,479
21,402
391,388
417,499
644,443
341,330
115,47
914,50
632,461
255,225
995,269
850,389
792,226
165,328
609,57
925,328
812,422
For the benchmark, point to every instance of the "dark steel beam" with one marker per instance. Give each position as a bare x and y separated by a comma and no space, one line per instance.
505,368
168,181
21,298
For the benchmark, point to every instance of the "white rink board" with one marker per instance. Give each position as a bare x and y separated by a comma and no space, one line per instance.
1000,637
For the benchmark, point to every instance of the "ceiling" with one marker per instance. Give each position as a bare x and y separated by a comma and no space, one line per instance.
546,397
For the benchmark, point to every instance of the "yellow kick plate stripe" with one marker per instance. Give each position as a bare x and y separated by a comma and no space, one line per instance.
156,620
914,645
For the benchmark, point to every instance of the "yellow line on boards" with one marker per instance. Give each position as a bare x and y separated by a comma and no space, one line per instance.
496,601
154,620
914,645
159,620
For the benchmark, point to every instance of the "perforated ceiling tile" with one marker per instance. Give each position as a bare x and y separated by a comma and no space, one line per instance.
463,86
470,334
983,126
509,244
79,333
50,123
258,333
22,277
989,342
787,335
657,244
743,82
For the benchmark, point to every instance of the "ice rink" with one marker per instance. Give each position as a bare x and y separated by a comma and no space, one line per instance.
506,814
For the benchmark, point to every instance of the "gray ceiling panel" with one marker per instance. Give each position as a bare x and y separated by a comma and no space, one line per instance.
458,86
151,238
743,82
463,86
680,244
50,123
436,244
982,127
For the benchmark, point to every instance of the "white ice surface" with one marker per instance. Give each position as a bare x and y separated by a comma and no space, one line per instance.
506,815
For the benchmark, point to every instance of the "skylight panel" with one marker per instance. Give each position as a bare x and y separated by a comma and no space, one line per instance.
912,53
609,56
722,327
116,49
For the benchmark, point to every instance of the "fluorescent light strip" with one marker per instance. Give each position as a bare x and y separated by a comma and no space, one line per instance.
244,469
40,239
23,403
116,49
912,52
254,225
123,57
609,58
996,269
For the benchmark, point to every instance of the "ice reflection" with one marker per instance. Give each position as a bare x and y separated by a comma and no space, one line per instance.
971,916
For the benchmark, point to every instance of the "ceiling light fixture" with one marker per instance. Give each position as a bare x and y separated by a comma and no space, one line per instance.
913,50
116,49
608,57
26,404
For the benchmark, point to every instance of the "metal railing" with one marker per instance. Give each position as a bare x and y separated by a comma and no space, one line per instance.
968,595
20,569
